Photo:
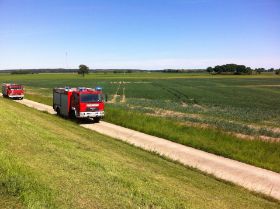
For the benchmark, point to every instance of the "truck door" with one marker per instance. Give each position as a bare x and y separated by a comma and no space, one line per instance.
77,103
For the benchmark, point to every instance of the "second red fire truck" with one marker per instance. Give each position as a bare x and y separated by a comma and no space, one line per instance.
79,102
14,91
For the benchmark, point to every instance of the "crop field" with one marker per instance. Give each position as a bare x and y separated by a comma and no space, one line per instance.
233,116
50,162
241,100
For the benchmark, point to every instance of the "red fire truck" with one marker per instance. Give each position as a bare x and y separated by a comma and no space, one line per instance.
79,102
12,90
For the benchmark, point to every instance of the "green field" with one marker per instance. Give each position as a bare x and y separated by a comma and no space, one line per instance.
49,162
242,99
223,114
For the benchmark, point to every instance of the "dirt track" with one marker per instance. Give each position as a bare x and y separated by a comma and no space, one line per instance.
250,177
36,105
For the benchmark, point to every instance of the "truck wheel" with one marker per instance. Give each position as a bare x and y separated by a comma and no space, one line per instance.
58,111
97,119
72,114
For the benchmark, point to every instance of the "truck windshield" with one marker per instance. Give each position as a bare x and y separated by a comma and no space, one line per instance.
15,87
91,98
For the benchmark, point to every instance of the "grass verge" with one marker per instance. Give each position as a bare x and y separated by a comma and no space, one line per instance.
8,201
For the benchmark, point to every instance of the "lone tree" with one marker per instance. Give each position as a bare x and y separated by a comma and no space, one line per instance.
83,69
209,70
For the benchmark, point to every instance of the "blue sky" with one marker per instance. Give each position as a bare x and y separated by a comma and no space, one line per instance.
146,34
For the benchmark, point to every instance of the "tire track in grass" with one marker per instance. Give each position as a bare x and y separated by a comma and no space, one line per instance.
180,96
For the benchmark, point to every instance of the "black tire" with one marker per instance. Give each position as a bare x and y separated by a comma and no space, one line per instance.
96,120
72,114
58,111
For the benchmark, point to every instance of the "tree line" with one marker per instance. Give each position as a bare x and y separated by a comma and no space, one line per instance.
238,69
219,69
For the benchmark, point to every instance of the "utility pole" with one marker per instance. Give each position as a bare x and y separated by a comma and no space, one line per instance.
66,61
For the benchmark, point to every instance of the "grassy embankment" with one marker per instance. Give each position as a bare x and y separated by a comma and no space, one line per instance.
8,201
49,162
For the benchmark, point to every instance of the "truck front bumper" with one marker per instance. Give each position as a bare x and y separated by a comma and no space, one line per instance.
16,96
91,114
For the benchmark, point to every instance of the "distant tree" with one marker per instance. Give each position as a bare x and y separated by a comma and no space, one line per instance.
248,70
83,69
209,70
230,69
239,69
218,69
270,70
259,70
22,72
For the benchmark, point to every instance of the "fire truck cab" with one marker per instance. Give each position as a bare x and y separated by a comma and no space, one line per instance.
79,102
10,90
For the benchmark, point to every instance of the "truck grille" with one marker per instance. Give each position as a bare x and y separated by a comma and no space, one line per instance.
92,109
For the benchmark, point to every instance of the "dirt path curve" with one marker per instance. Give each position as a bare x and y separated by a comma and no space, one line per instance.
251,177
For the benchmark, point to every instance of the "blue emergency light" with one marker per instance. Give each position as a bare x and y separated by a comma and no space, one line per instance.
98,88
